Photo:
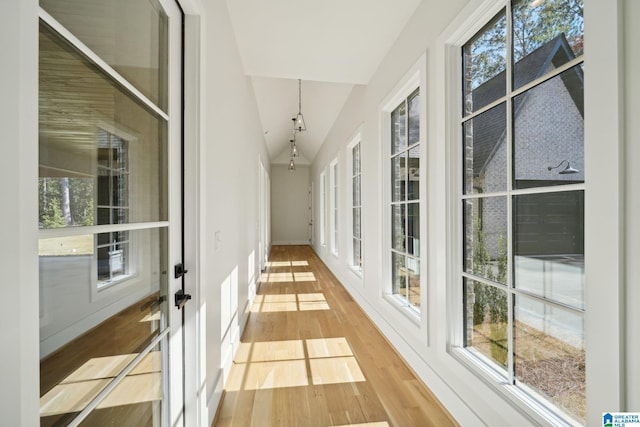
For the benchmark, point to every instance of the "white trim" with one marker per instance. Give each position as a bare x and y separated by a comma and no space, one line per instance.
472,19
414,78
605,209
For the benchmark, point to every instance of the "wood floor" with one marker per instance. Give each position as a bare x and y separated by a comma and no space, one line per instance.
309,356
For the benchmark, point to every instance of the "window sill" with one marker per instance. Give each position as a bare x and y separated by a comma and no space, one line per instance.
104,285
407,310
517,396
356,270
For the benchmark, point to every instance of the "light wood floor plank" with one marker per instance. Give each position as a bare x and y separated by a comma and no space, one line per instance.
310,357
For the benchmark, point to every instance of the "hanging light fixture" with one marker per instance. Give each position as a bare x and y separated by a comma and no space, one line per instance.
294,149
567,170
292,165
299,120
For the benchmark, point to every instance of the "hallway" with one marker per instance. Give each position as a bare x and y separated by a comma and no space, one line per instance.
310,357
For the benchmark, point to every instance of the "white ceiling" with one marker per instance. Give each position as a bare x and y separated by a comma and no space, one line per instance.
330,44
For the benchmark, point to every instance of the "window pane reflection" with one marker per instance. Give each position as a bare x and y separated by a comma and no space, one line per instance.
130,35
101,153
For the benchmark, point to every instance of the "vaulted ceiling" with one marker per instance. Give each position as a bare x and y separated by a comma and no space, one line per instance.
331,45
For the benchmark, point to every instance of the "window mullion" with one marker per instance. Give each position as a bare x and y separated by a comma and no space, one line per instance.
510,169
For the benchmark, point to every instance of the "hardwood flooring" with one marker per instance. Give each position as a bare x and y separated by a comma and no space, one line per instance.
309,356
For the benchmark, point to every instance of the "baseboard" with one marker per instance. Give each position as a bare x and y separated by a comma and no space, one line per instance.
292,242
215,399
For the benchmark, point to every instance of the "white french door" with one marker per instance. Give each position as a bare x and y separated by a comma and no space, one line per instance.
110,197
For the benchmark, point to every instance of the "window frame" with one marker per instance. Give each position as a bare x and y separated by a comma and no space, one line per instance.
356,141
333,207
323,213
603,224
414,79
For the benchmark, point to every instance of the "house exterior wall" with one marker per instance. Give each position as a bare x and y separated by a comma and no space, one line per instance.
545,134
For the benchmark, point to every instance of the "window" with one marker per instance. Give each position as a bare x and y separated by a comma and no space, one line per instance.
405,200
113,206
323,212
521,201
356,206
333,205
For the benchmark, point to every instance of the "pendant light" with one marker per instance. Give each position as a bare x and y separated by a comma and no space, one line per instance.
299,120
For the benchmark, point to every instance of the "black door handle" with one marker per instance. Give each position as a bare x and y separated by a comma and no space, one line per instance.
179,271
181,298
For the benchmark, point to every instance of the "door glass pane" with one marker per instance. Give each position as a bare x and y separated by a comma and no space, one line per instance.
83,347
550,353
138,397
486,321
484,65
129,35
546,35
549,132
485,152
548,245
485,237
102,154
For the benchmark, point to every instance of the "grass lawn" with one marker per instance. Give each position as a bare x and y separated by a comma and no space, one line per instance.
66,246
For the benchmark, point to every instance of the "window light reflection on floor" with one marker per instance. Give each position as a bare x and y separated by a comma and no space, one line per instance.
278,364
289,302
287,263
73,394
282,277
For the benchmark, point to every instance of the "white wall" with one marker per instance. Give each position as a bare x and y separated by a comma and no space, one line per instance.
289,205
19,403
632,89
424,346
231,143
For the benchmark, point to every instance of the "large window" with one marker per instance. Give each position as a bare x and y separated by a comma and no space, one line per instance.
356,206
405,200
323,212
333,205
522,201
